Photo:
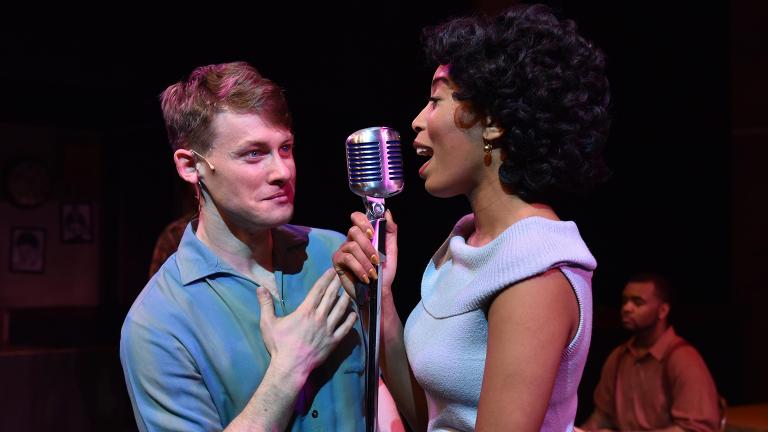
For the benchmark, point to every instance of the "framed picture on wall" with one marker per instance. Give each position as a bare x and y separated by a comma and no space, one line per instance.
76,223
27,250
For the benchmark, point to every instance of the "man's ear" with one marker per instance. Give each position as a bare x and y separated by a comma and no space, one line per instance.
664,311
492,130
186,165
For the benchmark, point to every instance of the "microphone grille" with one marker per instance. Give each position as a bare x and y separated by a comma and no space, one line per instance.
364,162
375,162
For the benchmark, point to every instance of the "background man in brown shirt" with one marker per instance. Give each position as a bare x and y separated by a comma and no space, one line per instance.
656,380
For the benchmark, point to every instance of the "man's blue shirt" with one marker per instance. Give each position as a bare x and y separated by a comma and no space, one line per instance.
192,351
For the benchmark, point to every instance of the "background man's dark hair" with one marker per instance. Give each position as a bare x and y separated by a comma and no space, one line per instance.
661,284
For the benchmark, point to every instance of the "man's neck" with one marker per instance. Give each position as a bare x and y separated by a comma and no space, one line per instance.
240,248
646,338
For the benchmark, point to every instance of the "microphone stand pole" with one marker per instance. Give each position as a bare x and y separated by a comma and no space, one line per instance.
371,294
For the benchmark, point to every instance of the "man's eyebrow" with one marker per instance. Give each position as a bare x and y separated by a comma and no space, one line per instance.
245,145
249,144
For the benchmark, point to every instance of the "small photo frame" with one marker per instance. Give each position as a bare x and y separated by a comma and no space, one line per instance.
76,223
27,250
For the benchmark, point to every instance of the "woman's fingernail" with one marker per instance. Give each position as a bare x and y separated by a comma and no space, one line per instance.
373,273
365,279
375,259
369,233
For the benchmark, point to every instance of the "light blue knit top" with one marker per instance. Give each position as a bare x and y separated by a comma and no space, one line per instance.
446,335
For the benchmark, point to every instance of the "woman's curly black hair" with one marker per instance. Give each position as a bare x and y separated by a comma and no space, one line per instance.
543,84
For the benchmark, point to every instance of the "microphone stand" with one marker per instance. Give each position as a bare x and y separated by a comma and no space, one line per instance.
371,294
375,169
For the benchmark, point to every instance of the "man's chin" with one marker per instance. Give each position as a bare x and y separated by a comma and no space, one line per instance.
278,218
267,219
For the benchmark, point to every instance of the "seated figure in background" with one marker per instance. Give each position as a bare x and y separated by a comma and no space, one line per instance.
656,380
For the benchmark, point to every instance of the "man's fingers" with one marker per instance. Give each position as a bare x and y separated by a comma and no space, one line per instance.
315,295
266,305
328,297
345,327
338,310
347,282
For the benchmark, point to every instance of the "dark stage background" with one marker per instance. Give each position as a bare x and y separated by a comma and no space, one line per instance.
81,96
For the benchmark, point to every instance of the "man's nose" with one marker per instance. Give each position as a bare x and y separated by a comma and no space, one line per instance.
279,170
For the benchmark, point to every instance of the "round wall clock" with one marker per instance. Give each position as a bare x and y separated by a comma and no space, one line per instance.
28,183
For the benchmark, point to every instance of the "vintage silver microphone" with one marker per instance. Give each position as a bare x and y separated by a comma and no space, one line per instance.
375,171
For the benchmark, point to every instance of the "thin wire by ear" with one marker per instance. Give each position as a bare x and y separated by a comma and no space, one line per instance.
210,165
201,189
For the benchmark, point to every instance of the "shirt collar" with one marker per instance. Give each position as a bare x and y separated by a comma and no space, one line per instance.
660,348
665,342
197,261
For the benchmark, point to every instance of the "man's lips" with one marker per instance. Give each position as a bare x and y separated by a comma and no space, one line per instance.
278,195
